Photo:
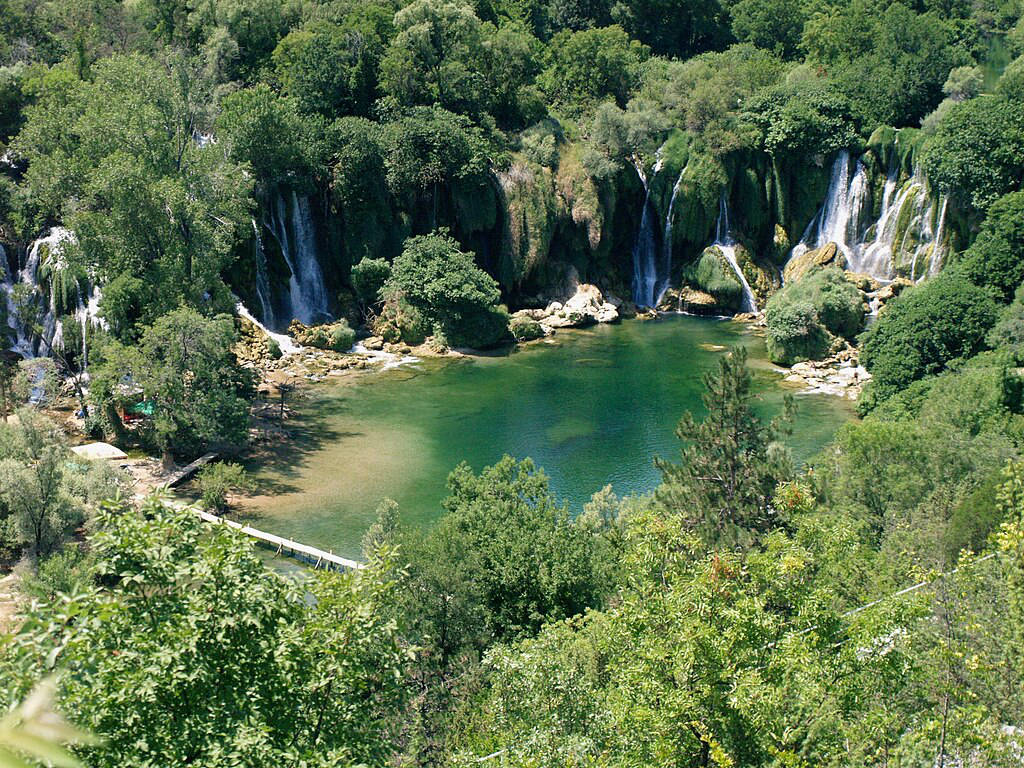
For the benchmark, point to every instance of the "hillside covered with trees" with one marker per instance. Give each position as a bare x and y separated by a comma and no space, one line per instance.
182,182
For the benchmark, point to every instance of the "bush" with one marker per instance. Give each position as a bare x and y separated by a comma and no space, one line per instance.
337,336
1008,332
794,333
457,298
996,258
923,330
216,481
711,275
342,337
525,328
368,277
805,316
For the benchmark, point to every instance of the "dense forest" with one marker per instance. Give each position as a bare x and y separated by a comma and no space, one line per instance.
846,172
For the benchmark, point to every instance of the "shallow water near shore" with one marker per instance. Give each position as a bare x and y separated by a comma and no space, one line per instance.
592,407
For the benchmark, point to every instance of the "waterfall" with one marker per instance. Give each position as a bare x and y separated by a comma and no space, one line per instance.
838,220
910,226
28,342
725,243
298,246
284,342
645,250
666,243
262,281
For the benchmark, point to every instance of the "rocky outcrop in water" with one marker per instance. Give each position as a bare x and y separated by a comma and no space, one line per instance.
587,306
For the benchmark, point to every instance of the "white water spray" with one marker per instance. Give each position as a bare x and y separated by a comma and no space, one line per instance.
727,245
645,250
284,342
910,227
297,238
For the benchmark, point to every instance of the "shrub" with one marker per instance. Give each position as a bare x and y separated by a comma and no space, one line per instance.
342,337
457,298
711,275
525,328
216,481
923,330
794,333
805,316
996,258
368,277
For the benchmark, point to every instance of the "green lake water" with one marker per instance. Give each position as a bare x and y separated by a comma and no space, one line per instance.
592,407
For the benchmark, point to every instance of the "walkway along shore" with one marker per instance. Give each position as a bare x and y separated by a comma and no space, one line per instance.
315,557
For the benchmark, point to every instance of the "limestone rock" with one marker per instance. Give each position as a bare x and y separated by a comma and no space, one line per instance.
585,307
798,266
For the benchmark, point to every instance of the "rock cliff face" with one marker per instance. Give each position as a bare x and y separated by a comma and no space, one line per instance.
655,229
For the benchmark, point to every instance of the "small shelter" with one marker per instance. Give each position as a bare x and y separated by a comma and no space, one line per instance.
99,452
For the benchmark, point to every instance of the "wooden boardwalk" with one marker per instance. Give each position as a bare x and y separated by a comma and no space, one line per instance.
188,470
315,557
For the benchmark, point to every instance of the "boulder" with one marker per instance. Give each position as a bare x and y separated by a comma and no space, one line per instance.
585,307
800,265
697,302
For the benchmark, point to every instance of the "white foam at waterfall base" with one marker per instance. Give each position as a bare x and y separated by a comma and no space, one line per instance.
284,342
727,246
388,360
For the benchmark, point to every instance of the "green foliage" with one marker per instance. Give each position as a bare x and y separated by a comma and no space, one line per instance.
264,132
803,117
975,155
996,257
431,146
891,62
923,330
44,492
336,336
216,481
437,57
116,157
330,69
442,283
730,463
775,26
184,366
805,316
707,95
1011,84
795,332
673,28
505,558
591,65
368,277
194,652
525,328
710,273
607,689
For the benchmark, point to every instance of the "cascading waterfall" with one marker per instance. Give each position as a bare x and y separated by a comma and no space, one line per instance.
306,284
666,243
645,250
838,220
262,281
909,231
284,342
51,338
727,245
